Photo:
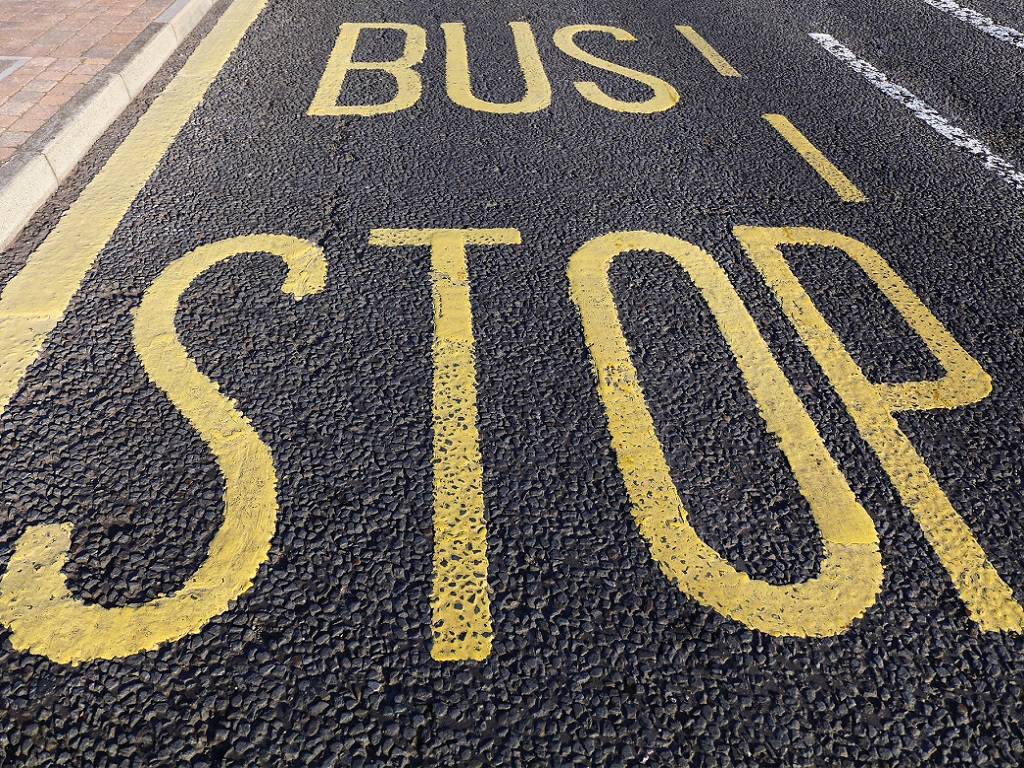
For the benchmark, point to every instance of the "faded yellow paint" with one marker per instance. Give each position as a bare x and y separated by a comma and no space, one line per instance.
538,87
845,188
664,97
988,598
35,299
35,603
460,599
725,69
340,63
851,569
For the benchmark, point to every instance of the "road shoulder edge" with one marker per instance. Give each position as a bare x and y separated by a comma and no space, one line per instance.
36,171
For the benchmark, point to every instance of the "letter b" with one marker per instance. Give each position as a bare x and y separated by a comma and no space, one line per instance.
325,102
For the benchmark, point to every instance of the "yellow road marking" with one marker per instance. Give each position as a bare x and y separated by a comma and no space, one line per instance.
664,97
460,599
987,597
325,101
35,300
538,87
725,69
43,615
851,570
845,188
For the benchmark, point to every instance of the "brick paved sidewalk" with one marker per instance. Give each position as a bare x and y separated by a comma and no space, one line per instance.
49,49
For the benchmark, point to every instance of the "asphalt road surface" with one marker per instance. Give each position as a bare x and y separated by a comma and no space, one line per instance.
412,385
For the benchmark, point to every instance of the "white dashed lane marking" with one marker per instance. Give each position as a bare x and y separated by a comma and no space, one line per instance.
980,21
922,110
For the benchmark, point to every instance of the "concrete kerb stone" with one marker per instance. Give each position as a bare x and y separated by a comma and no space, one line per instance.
26,181
69,134
141,59
29,178
184,15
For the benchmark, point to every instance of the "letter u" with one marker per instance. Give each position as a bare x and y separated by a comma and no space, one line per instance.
538,88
